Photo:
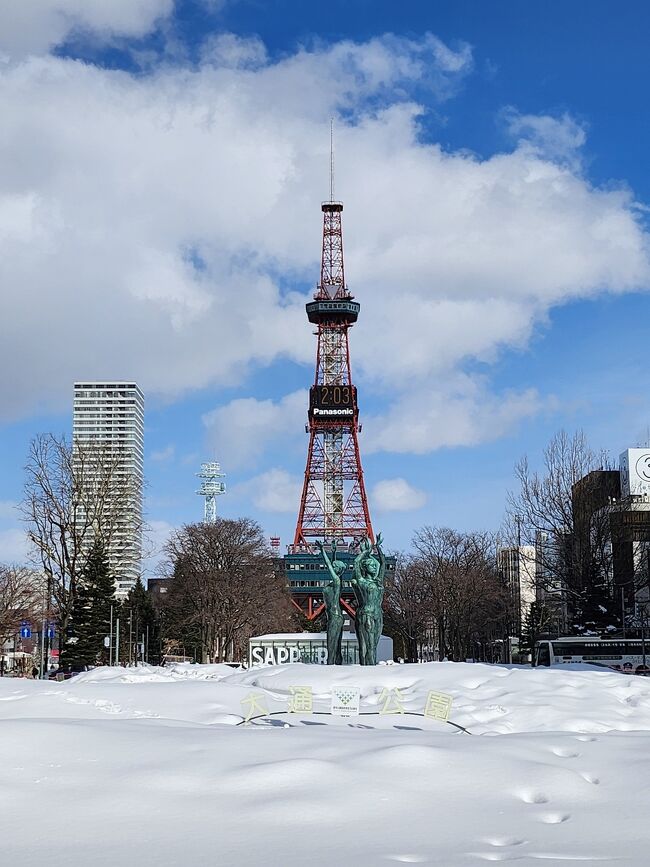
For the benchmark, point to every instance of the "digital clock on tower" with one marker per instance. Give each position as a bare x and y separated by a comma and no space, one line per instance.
332,401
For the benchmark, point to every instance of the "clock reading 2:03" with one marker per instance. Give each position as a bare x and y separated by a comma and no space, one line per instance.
332,400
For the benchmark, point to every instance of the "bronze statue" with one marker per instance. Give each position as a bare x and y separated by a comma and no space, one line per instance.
332,598
368,585
369,572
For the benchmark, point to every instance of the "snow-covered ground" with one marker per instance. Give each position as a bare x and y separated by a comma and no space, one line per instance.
152,766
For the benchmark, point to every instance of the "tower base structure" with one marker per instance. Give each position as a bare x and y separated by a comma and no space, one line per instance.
305,575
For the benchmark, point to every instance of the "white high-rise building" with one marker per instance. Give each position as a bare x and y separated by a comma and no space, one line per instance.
111,413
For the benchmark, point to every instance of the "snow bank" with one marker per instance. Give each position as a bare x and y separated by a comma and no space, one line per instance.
148,766
154,674
487,699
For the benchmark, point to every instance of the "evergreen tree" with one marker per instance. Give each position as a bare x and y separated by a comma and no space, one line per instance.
536,622
91,616
140,626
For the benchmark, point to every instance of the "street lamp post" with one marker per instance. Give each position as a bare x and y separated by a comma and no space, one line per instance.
517,588
110,642
643,608
643,615
45,630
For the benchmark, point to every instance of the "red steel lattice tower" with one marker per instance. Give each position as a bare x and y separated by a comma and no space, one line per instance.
333,505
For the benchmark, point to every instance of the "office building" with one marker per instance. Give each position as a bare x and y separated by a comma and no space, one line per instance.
517,568
611,514
110,413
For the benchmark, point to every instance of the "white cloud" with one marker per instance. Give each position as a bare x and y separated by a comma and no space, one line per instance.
171,202
213,5
14,546
273,491
240,431
448,60
462,412
229,50
35,26
396,495
163,455
555,138
156,534
8,509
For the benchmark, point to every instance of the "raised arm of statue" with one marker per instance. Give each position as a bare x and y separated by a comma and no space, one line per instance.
330,568
357,573
327,560
381,557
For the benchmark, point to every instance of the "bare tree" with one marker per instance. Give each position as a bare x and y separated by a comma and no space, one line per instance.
470,603
564,510
223,587
407,603
21,598
75,495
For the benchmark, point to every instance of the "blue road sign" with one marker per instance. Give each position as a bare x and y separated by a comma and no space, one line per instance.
50,632
25,632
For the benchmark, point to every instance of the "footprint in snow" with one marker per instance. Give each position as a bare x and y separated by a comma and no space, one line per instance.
589,778
410,858
529,796
107,706
504,841
554,818
564,752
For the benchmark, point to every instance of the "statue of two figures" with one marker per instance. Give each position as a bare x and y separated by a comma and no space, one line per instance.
369,571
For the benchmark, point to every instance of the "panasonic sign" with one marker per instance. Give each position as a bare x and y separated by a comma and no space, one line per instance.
332,412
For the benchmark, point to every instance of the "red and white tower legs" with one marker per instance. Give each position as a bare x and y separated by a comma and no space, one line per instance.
333,505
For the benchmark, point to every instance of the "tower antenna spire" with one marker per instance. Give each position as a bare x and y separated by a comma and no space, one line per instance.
331,159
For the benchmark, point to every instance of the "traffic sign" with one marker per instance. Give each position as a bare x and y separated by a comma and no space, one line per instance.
50,631
25,632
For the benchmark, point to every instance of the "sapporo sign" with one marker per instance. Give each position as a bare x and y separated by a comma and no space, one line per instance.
274,655
280,654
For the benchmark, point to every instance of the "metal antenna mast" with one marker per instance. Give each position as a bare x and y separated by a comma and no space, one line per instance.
210,489
331,159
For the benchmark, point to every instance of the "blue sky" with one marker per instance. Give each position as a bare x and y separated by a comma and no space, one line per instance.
162,170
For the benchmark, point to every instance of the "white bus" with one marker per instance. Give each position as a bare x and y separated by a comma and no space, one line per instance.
621,654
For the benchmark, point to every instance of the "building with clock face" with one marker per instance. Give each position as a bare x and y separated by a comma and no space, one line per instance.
611,510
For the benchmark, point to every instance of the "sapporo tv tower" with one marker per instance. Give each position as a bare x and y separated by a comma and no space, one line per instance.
333,506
